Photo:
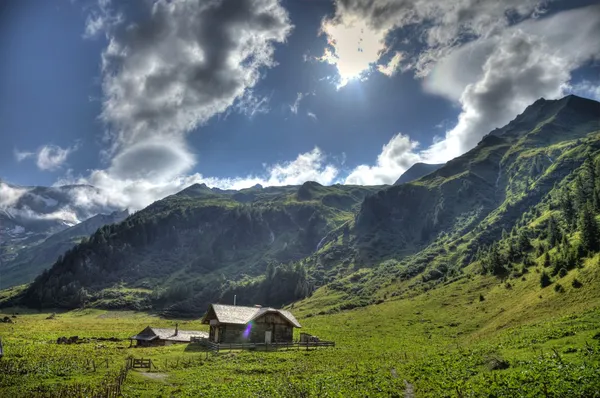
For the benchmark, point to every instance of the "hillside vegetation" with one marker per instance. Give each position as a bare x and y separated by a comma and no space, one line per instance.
199,245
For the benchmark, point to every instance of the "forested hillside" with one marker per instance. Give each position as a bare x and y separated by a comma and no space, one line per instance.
194,247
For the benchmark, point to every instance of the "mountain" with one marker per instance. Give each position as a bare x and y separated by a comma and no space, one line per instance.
194,246
31,260
417,171
524,195
29,215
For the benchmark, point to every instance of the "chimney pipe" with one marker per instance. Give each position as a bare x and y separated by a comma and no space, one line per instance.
234,298
176,329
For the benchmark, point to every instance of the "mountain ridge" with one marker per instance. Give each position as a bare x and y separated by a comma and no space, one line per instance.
417,171
342,238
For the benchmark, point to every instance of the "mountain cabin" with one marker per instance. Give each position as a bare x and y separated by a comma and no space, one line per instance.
162,337
238,324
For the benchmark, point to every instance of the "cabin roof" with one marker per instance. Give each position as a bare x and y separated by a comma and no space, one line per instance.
240,315
151,333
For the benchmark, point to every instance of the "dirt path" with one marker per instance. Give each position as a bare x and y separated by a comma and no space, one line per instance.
409,391
155,376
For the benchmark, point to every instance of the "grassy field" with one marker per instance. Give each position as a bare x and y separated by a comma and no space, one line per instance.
477,336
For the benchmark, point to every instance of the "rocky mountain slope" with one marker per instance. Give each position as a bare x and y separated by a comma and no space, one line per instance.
417,171
32,259
29,215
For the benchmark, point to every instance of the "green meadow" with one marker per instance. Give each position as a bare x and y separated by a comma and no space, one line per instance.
477,336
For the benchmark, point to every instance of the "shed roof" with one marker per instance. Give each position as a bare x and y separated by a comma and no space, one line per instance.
151,333
240,315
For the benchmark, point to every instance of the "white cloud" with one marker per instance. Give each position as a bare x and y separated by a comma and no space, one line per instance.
52,157
184,63
311,115
165,75
101,19
9,195
494,77
586,89
116,190
396,157
510,71
357,32
48,157
22,155
294,107
392,66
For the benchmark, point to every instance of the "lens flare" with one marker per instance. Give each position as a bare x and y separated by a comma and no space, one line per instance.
247,331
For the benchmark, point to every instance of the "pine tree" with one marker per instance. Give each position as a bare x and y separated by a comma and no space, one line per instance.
568,209
547,261
545,279
496,260
580,192
553,232
524,243
590,234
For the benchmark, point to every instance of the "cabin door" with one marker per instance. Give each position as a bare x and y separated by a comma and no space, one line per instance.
268,337
216,335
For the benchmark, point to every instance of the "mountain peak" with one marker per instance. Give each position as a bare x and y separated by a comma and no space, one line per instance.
417,171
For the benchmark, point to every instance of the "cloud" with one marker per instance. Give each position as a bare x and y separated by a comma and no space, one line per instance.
392,66
152,159
531,60
357,32
311,115
495,76
395,158
48,157
134,192
166,71
353,46
184,63
10,195
101,19
22,155
586,89
294,107
52,157
251,104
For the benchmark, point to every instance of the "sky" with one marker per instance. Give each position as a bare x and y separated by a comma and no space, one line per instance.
144,98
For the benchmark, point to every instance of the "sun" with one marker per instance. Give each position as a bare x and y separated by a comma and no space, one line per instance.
353,47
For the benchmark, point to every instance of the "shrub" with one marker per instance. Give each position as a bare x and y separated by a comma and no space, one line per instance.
481,298
545,280
576,283
562,272
558,288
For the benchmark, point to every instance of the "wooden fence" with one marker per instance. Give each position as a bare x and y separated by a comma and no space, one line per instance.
260,346
110,387
141,363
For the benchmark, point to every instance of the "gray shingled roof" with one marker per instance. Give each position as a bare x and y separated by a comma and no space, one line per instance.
240,315
151,333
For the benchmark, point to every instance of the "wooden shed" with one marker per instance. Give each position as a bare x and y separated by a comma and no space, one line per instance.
238,324
160,337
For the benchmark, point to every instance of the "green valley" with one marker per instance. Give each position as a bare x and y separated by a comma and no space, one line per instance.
479,278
